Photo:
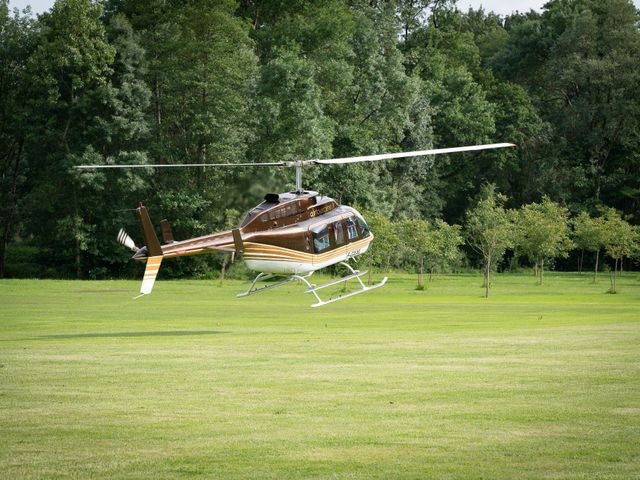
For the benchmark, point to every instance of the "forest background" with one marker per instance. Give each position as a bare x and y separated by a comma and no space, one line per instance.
168,81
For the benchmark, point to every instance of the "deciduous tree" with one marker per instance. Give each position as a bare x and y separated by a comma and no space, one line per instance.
621,240
543,233
589,234
489,230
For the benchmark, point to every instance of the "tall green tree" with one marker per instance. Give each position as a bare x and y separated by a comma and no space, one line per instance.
18,35
72,62
119,134
579,61
596,110
448,61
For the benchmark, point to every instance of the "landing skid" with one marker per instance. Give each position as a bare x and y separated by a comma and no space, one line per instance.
313,288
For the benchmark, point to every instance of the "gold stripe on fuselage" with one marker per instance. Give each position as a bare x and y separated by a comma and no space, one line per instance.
261,251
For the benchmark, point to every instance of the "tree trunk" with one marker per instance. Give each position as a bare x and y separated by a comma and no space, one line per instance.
514,261
420,281
157,108
65,140
78,262
370,268
3,250
77,235
541,271
581,259
595,270
223,270
13,203
487,276
615,270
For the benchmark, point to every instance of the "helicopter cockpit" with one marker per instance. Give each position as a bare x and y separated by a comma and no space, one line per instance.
339,232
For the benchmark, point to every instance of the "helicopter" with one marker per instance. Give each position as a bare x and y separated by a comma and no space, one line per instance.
287,237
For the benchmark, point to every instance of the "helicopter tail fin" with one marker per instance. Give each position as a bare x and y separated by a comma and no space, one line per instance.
149,234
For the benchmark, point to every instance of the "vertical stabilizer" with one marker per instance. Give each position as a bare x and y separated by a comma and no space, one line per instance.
149,234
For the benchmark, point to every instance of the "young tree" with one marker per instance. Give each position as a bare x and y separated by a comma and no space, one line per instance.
621,240
385,243
447,240
416,244
488,229
543,233
431,246
589,234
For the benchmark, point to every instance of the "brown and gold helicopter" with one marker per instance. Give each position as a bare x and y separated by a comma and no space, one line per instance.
289,235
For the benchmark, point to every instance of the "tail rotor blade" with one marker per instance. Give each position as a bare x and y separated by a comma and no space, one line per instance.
126,240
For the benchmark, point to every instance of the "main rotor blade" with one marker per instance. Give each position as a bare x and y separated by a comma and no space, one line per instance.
176,165
300,163
438,151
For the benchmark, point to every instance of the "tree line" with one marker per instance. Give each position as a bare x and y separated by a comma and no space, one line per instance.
538,233
204,81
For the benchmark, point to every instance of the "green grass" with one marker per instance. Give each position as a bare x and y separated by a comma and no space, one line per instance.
535,382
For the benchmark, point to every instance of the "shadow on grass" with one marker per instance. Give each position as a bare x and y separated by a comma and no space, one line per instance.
171,333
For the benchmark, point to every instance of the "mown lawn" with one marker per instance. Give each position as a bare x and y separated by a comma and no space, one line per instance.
535,382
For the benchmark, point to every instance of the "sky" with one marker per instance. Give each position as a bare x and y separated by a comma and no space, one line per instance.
502,7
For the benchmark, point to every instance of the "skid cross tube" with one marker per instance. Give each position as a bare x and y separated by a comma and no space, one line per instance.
267,276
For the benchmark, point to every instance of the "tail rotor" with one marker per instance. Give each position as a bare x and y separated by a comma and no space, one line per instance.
126,240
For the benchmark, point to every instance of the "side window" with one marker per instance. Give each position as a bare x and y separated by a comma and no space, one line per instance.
320,239
351,228
364,228
338,232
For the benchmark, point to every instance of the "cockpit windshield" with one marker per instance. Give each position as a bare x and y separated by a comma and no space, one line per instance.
363,225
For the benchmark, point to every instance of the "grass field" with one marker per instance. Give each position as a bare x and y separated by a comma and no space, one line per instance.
535,382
